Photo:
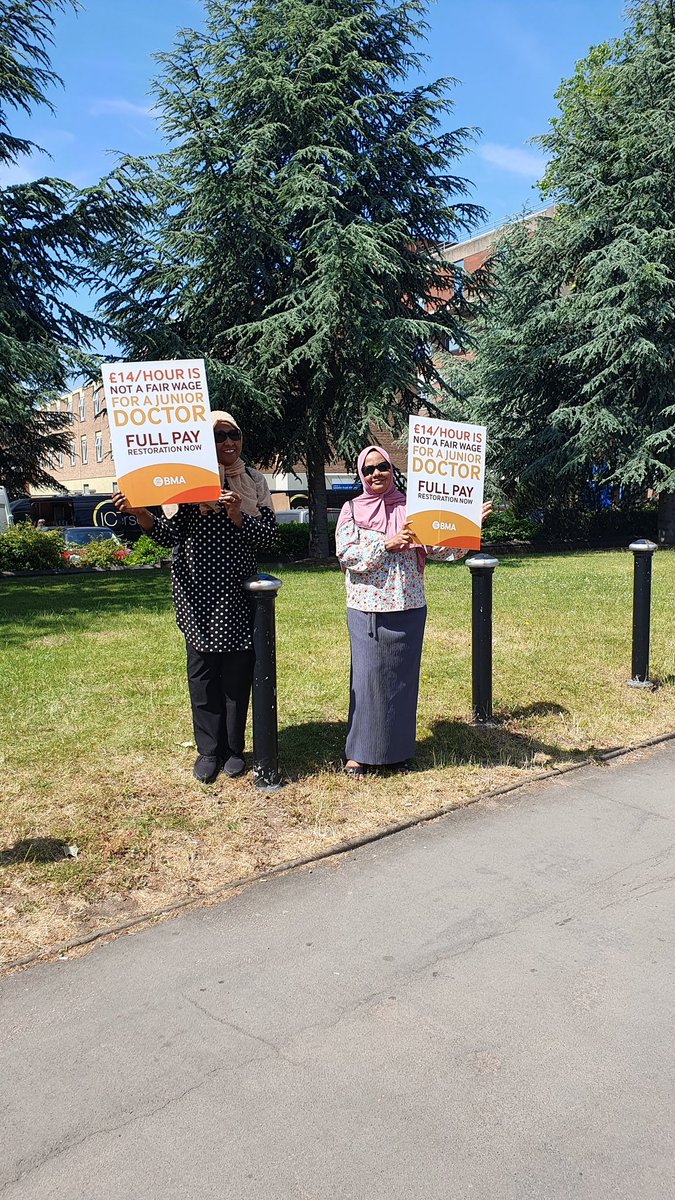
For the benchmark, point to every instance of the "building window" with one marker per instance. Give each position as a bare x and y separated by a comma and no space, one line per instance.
85,489
99,447
60,460
97,404
84,453
73,455
82,405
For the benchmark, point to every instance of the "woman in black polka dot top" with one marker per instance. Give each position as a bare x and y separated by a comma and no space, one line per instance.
214,551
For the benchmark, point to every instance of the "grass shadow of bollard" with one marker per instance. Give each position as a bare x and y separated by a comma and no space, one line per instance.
311,747
459,743
33,850
540,708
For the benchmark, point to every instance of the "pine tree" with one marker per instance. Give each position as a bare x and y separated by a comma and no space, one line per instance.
520,377
49,230
294,225
580,349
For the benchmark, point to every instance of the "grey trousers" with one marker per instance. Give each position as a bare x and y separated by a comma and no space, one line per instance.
385,674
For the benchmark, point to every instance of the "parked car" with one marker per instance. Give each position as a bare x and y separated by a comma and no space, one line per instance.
81,535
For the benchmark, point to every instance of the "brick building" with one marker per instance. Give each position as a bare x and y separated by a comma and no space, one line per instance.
474,252
87,469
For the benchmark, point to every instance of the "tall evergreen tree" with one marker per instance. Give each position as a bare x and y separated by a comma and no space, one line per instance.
586,367
48,232
518,377
295,224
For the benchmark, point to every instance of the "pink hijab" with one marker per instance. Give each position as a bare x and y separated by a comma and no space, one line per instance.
386,512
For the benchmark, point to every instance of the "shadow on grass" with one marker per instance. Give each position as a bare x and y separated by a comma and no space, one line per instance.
457,743
61,604
33,850
311,747
318,745
541,708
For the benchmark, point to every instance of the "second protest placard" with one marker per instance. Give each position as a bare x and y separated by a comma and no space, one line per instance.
446,472
161,432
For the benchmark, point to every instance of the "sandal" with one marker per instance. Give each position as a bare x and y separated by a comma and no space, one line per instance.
354,772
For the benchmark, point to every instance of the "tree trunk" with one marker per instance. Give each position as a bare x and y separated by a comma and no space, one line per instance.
318,512
666,518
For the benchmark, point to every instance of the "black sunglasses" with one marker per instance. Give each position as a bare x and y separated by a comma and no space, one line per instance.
227,435
381,466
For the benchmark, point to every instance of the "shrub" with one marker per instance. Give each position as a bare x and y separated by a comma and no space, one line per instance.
597,525
507,527
23,548
292,541
147,552
105,553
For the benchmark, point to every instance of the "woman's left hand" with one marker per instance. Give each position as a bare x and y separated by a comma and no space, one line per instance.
231,501
487,509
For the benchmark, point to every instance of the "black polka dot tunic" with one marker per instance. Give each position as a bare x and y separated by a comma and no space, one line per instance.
211,559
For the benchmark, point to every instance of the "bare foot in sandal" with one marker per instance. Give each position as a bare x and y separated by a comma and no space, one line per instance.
354,769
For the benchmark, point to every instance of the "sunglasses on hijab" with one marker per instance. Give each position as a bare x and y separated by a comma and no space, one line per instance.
227,435
381,466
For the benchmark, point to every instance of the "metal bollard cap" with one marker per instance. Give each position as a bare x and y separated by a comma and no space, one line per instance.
643,545
481,562
262,583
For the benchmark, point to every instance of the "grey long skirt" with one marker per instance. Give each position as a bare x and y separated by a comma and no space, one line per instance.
385,678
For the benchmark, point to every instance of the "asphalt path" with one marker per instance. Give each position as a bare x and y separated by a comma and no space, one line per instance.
479,1008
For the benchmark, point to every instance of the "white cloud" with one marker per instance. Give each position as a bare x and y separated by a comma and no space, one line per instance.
516,159
123,108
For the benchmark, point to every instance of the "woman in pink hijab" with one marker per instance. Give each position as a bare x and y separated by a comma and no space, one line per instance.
386,615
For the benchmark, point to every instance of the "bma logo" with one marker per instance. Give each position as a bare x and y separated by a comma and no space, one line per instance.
168,480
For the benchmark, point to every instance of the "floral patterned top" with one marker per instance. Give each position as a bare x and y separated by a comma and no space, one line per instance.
378,581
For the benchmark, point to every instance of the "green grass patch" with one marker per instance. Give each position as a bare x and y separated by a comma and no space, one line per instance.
95,720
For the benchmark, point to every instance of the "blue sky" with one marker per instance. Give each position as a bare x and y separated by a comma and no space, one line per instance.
509,56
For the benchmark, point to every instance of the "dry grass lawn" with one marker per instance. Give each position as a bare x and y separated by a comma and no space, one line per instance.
96,739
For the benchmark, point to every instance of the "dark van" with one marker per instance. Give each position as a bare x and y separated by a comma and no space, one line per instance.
76,510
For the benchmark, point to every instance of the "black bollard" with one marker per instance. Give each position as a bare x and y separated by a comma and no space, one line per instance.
643,554
263,592
482,567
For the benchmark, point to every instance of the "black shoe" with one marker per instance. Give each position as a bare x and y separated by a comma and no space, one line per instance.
206,768
234,766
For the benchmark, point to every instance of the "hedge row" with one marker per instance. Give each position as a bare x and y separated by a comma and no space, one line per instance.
24,548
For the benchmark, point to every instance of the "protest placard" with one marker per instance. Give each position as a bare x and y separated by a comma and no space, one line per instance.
446,473
161,432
